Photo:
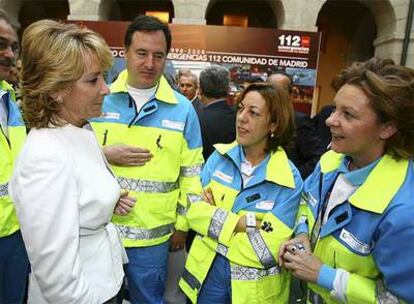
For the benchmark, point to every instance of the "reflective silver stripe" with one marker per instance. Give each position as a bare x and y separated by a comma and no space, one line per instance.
302,220
259,246
139,185
242,273
383,295
191,280
193,198
181,210
387,298
354,243
4,189
310,199
221,249
216,224
190,171
144,234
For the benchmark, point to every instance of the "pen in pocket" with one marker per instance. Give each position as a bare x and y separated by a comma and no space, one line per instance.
105,135
158,142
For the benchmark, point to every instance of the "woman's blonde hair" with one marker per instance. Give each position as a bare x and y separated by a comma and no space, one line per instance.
54,56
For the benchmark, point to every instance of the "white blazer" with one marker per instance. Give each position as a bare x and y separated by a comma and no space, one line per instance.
65,195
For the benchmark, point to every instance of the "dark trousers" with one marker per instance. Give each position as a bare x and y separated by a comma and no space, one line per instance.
14,269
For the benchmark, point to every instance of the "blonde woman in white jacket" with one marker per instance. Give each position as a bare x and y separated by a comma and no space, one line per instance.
64,191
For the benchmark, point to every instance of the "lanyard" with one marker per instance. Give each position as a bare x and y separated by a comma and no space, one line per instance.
316,230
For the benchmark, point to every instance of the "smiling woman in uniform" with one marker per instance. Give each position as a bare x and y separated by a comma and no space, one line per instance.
252,194
359,214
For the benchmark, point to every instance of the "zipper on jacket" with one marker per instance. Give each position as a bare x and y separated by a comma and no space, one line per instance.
241,176
132,104
7,139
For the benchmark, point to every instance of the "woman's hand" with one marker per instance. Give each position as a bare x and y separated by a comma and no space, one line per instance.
124,204
300,242
208,197
296,255
304,265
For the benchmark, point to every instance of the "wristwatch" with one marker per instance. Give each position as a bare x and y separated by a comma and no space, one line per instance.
250,222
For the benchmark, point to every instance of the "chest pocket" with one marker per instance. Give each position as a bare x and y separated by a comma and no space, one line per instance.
263,198
257,201
166,150
165,147
224,196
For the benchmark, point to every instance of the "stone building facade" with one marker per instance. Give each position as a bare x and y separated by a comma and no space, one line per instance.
352,29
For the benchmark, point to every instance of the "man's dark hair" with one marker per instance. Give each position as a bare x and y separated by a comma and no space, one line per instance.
214,81
144,23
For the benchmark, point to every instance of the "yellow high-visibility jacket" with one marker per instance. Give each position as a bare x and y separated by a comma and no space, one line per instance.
9,149
273,194
168,126
369,235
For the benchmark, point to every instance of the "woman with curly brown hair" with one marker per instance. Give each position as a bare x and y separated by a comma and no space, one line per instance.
253,192
354,241
63,189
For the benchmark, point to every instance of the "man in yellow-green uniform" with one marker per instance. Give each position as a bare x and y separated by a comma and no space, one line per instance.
151,137
14,264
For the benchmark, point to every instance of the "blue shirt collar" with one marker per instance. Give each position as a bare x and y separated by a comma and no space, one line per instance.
261,164
357,177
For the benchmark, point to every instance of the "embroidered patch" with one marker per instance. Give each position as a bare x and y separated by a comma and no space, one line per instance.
342,217
265,205
252,198
313,201
110,115
176,125
354,243
223,176
267,226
